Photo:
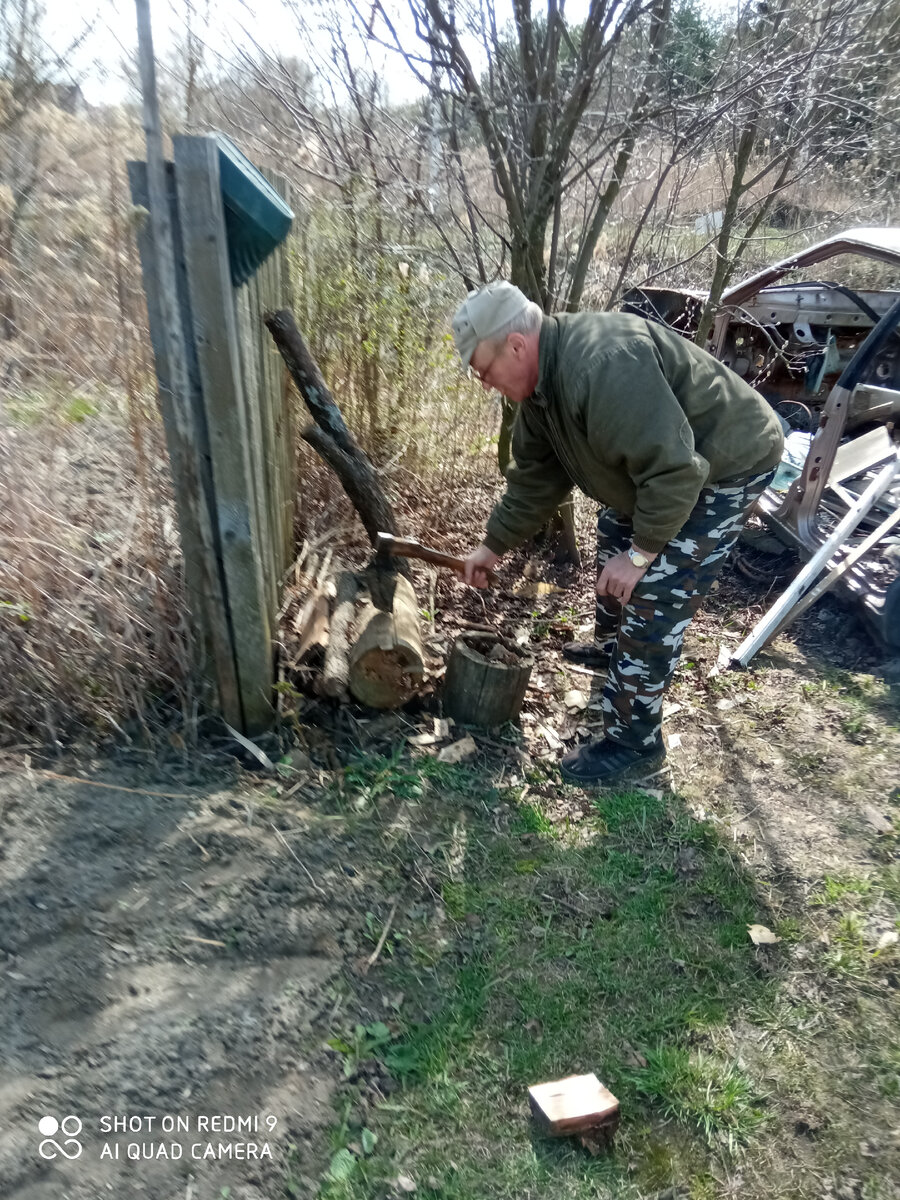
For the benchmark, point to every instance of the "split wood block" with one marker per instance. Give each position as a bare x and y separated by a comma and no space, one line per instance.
578,1105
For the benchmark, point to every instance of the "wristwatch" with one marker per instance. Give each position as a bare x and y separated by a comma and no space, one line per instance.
639,560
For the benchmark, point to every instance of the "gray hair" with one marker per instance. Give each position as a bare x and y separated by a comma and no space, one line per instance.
527,321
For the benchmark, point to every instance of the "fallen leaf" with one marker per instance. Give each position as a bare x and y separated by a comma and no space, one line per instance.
530,591
890,938
669,709
251,748
656,793
575,699
721,662
459,751
761,936
535,1028
724,705
632,1057
405,1184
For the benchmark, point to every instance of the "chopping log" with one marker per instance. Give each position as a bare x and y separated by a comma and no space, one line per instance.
386,665
336,671
486,680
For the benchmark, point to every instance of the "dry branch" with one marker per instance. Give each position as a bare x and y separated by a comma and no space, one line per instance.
359,481
330,437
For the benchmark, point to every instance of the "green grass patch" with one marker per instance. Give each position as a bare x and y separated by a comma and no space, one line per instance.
836,888
618,947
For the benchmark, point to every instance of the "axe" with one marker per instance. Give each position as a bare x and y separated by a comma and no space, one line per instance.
382,574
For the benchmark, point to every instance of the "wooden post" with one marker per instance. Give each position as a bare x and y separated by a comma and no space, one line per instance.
234,430
152,188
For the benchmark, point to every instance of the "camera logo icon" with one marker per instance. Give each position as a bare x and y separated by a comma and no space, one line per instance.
70,1127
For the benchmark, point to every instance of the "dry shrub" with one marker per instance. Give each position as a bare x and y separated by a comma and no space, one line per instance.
92,628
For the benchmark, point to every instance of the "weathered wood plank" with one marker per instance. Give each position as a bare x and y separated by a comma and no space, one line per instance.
231,422
275,294
184,421
274,484
259,436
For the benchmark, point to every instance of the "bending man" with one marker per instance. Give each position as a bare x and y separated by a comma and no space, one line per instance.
674,446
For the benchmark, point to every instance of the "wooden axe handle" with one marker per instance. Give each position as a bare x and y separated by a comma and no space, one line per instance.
408,548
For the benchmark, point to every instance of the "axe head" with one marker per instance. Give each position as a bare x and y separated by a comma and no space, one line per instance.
381,574
381,580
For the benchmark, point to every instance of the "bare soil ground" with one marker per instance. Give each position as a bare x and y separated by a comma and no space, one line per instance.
206,952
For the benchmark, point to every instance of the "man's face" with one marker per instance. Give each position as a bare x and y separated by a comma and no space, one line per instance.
508,367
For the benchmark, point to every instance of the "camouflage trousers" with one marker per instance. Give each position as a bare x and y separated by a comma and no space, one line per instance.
644,637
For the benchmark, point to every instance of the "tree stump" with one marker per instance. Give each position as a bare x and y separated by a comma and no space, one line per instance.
486,680
386,665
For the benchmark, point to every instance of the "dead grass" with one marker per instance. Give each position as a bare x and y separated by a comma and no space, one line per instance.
93,636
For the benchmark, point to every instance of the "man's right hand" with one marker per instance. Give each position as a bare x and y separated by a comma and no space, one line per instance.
477,565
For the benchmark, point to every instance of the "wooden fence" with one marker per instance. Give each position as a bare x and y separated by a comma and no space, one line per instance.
231,438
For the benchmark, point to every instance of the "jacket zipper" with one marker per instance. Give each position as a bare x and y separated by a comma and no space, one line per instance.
556,442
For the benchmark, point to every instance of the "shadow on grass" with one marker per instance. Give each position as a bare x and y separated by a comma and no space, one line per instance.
550,934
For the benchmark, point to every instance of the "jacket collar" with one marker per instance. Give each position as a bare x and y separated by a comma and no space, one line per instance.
548,345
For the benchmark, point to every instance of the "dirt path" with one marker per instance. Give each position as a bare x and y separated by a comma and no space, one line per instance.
113,1006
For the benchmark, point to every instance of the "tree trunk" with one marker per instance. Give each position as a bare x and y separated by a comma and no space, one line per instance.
330,436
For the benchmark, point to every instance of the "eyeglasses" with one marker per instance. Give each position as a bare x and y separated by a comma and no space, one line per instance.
482,376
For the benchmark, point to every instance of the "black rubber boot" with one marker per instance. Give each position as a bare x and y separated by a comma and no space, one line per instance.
586,654
608,762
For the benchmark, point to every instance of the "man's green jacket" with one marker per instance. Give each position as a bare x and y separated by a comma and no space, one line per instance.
638,418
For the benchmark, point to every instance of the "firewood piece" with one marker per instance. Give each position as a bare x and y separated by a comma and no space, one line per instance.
481,689
312,624
336,672
386,665
315,635
579,1104
301,617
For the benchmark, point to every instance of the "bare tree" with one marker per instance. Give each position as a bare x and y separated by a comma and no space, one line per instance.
30,79
792,78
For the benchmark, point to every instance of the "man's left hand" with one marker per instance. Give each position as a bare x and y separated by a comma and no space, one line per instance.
619,578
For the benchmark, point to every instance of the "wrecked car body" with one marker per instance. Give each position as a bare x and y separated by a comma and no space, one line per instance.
827,357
